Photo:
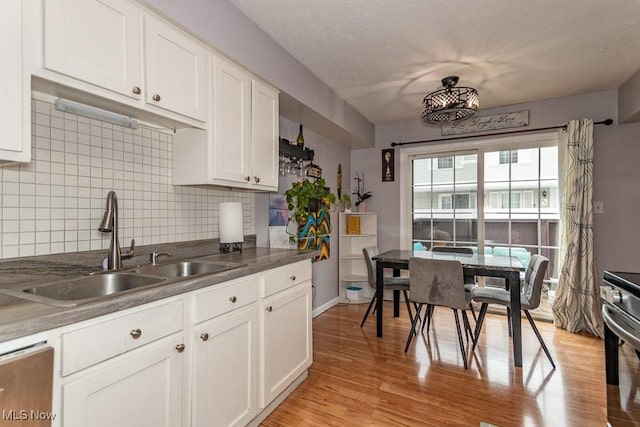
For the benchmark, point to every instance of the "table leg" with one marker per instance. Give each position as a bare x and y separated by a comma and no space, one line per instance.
380,300
516,329
396,303
396,296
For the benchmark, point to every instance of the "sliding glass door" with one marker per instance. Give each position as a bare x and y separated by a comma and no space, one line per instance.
501,198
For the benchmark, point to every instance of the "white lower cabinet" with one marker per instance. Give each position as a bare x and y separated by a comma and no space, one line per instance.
285,322
141,388
217,356
225,369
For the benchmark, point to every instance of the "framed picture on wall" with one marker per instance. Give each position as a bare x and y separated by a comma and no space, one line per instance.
388,173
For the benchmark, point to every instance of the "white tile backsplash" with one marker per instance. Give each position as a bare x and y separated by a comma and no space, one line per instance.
55,203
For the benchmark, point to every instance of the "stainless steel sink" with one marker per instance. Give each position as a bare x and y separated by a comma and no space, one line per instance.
186,268
75,291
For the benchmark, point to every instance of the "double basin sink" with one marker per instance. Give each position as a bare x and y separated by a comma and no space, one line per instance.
71,292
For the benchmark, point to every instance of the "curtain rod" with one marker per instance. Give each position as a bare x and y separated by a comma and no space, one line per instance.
606,122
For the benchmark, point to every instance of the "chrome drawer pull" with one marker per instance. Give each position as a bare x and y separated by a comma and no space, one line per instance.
135,333
233,299
269,309
136,90
156,97
180,348
204,336
293,278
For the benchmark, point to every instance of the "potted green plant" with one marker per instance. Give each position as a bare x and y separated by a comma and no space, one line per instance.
305,197
360,194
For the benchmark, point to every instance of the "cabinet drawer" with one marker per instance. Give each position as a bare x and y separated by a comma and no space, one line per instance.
223,298
93,344
285,277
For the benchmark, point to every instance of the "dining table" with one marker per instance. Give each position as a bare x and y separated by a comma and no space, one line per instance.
506,267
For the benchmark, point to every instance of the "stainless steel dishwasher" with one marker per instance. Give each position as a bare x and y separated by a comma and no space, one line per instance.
26,387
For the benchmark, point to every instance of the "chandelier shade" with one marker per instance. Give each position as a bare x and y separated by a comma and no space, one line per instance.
451,104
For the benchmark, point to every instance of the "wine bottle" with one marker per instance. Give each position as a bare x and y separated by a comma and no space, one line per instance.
300,139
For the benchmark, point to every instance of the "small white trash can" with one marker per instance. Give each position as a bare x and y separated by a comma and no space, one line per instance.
354,293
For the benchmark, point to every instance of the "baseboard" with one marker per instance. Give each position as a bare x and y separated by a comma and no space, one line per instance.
324,307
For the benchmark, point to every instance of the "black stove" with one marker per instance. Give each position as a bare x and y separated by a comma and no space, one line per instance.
621,313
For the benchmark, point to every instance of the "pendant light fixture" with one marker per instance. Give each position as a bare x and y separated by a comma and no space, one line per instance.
451,104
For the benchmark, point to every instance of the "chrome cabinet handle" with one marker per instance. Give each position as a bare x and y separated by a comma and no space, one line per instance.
180,348
247,178
135,333
233,299
293,278
256,179
136,90
156,97
269,309
204,336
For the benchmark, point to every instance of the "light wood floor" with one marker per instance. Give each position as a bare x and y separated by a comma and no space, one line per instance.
358,379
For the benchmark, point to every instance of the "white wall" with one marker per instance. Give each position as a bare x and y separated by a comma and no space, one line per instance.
616,173
55,203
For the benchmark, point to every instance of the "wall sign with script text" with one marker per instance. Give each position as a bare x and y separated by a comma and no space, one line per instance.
493,122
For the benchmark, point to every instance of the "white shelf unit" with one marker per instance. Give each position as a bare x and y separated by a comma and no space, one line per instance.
353,270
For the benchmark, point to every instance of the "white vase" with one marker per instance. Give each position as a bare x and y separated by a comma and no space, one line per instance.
362,207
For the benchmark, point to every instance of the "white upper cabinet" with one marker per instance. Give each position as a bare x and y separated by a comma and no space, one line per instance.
97,41
15,87
231,122
102,43
240,149
264,134
176,68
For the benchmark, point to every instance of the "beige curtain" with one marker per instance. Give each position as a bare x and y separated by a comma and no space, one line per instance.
577,304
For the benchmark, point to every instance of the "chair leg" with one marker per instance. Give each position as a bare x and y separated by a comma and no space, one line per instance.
460,340
366,314
412,332
542,344
473,312
427,320
467,326
483,312
406,300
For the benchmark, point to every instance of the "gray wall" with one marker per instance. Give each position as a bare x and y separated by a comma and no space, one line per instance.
616,173
328,155
222,25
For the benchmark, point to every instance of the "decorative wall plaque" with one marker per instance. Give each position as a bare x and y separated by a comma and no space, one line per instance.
486,123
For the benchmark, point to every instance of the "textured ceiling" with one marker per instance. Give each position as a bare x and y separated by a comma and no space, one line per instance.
383,56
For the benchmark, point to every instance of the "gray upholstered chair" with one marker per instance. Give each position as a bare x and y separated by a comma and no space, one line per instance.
469,281
529,298
390,283
438,282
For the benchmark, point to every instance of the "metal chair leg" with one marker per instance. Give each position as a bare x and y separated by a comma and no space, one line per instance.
483,312
467,326
542,344
509,320
373,300
406,300
427,320
460,340
412,332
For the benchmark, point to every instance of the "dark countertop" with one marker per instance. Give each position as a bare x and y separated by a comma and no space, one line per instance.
20,317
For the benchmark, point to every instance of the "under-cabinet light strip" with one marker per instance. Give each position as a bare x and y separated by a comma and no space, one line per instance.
65,105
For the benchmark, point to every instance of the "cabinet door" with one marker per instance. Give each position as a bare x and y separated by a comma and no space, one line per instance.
285,340
231,157
141,388
225,369
16,102
264,135
176,68
97,41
